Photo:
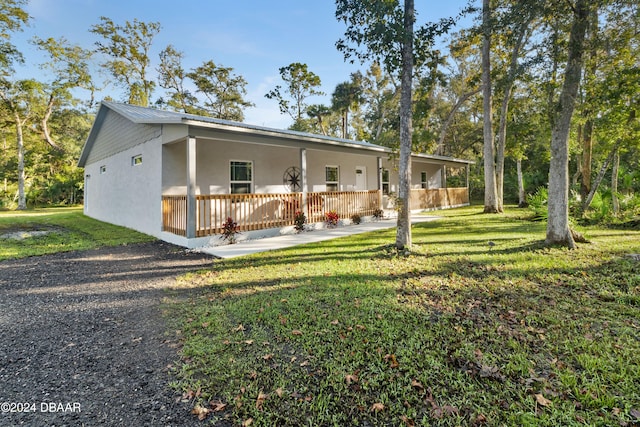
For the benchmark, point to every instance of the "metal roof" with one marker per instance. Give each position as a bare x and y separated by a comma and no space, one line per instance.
146,115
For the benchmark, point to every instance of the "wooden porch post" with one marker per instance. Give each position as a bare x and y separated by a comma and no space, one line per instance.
191,187
468,192
303,179
444,176
380,182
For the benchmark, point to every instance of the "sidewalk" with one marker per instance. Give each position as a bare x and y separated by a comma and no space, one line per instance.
284,241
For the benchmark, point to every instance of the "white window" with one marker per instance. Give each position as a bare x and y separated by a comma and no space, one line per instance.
241,176
103,169
424,182
136,160
385,181
332,177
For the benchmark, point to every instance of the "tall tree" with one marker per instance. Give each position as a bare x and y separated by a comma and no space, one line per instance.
12,18
172,77
319,112
69,65
344,97
383,31
380,98
558,231
223,90
490,187
519,19
128,47
18,99
300,84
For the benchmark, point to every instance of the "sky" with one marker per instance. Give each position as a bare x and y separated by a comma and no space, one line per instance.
254,37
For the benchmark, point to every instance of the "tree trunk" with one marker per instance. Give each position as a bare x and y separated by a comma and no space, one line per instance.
522,199
587,131
449,119
599,177
614,183
558,231
587,148
504,110
501,146
574,180
403,235
22,200
490,188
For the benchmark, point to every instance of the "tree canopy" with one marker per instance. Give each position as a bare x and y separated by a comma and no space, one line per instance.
417,91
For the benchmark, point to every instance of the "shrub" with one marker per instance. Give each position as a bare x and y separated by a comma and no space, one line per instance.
230,230
299,221
331,218
538,204
355,218
378,214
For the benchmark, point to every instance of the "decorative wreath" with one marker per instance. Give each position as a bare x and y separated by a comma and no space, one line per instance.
292,179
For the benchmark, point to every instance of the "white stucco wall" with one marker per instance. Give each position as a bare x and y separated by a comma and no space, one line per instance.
269,165
126,194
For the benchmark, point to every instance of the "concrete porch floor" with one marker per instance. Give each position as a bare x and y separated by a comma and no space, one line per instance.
249,247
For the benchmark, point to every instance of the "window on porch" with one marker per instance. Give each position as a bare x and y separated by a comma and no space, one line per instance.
241,177
385,181
332,178
424,181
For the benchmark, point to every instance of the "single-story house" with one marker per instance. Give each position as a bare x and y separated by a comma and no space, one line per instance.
179,176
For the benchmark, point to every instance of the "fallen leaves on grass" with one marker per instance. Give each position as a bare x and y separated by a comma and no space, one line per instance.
296,332
542,401
391,358
200,411
217,406
407,421
260,400
377,407
351,379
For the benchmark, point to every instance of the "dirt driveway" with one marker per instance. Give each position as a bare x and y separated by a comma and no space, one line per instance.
82,339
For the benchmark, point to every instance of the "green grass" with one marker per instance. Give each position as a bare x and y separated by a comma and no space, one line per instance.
348,332
68,229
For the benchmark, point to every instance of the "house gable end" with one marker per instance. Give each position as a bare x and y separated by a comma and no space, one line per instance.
114,134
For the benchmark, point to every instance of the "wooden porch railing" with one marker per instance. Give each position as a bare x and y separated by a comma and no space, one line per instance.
260,211
439,198
174,214
344,203
250,211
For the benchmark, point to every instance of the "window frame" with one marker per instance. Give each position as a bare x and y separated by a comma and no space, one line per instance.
240,182
332,183
386,184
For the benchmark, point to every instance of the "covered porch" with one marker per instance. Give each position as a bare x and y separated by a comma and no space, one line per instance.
261,182
265,211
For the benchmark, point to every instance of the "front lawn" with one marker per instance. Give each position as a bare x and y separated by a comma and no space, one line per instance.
458,332
50,230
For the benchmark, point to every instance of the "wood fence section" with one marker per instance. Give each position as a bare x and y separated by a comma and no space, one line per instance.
261,211
249,211
344,203
174,214
439,198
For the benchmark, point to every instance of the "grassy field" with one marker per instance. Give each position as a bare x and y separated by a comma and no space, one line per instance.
50,230
349,332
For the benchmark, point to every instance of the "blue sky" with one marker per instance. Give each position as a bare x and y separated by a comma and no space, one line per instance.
255,37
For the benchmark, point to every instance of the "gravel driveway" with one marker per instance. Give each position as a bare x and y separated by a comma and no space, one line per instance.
82,339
